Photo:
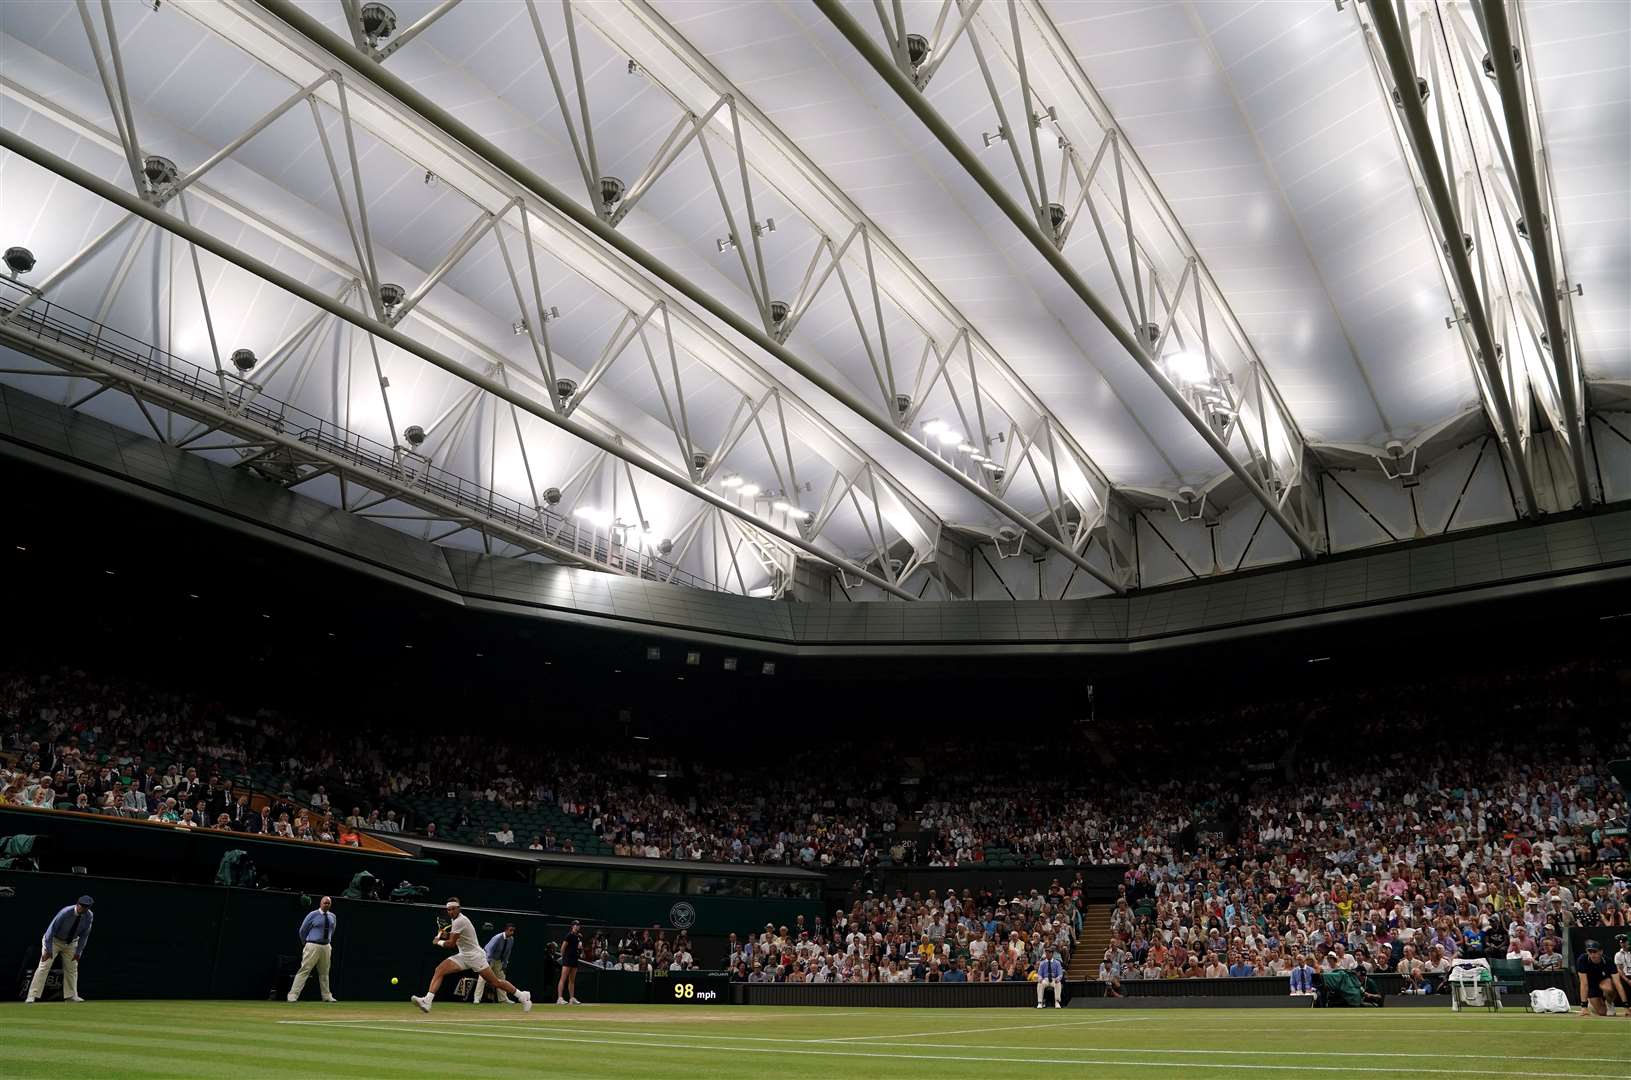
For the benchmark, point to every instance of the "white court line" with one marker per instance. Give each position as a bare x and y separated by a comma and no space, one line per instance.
895,1055
1506,1028
1035,1049
978,1030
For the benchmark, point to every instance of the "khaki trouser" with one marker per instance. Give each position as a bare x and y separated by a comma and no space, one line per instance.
70,971
313,956
481,985
1042,988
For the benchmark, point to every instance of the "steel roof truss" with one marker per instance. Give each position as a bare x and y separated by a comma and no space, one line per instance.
1476,293
1044,235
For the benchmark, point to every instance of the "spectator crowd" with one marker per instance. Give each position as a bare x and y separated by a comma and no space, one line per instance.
961,937
1396,826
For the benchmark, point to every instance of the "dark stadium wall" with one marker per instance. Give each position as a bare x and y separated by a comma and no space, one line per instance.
109,847
162,940
140,853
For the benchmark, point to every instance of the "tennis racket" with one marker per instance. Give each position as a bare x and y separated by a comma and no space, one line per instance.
443,925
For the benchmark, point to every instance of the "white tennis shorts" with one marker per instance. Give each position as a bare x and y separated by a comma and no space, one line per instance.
472,961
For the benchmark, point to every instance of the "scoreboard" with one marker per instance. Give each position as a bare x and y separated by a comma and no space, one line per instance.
689,988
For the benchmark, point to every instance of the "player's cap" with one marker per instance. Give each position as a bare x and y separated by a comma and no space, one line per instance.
1620,938
1594,946
86,901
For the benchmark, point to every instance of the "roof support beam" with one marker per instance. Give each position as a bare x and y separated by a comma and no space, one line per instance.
1498,35
262,36
1048,247
406,96
999,396
88,180
1396,49
816,432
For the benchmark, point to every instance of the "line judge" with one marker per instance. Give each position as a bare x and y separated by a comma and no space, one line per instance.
498,951
65,937
316,950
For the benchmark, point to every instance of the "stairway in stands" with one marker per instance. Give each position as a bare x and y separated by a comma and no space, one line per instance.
1090,946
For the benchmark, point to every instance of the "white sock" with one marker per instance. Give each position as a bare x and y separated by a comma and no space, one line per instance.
429,996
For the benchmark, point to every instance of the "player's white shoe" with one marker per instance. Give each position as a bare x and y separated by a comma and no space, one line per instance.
423,1003
575,1001
1040,1005
560,1001
525,998
1057,1005
77,1000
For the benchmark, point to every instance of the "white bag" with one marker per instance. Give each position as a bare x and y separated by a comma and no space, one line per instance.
1549,1000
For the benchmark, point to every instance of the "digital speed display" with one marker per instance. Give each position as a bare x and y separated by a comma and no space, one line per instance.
690,988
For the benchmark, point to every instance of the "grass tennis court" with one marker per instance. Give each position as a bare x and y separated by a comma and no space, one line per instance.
251,1041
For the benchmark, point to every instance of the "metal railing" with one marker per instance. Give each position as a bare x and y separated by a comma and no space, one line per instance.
252,408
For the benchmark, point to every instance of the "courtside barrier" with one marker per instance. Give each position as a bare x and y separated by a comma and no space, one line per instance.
898,995
1013,994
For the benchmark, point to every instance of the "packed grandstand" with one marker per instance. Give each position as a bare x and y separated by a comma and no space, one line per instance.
1362,829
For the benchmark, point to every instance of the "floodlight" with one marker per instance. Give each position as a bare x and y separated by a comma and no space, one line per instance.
19,260
778,311
565,388
934,427
611,191
378,21
949,437
551,496
749,490
731,481
1189,368
1489,62
1421,90
243,359
1466,242
414,436
917,50
390,298
598,518
160,171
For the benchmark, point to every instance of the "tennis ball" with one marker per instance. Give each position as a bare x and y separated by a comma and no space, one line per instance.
393,980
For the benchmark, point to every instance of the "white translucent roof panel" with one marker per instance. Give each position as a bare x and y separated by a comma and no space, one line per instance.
1581,51
1351,304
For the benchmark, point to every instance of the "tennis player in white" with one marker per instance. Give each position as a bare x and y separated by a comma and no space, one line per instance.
460,936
